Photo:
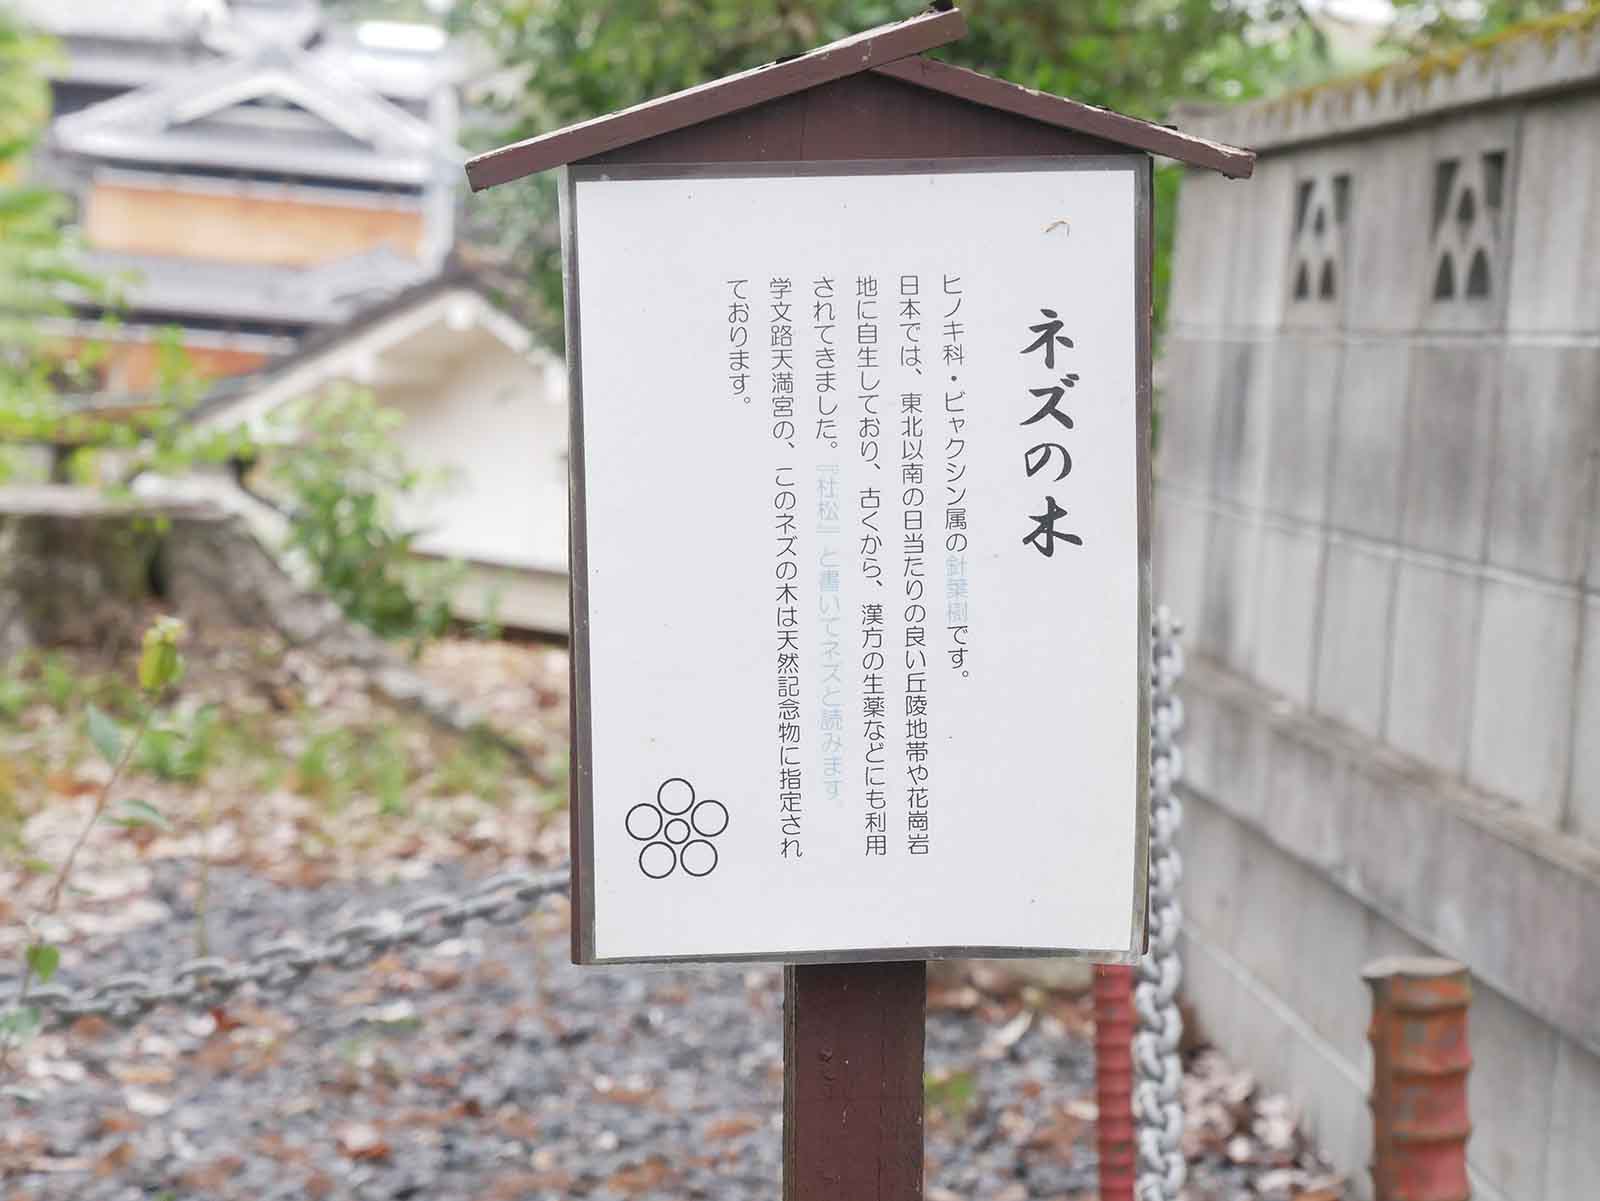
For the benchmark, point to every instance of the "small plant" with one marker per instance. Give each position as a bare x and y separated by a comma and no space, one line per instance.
344,478
57,682
16,694
478,768
318,768
180,748
160,667
952,1093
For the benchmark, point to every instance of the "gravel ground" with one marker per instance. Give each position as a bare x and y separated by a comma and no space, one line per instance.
490,1068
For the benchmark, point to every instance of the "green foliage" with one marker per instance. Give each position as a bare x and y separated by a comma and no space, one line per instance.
344,476
1427,26
38,263
131,813
114,744
15,695
160,664
478,768
42,960
952,1093
105,735
180,748
577,60
58,682
335,766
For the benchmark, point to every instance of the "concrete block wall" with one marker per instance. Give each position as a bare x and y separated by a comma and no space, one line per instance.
1378,506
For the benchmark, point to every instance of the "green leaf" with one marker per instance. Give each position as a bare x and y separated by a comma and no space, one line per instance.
43,959
105,734
139,813
18,1024
160,664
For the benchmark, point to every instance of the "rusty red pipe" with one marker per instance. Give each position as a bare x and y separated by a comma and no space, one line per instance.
1420,1061
1113,1080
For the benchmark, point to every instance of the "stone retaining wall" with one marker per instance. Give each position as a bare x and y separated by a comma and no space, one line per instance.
1377,504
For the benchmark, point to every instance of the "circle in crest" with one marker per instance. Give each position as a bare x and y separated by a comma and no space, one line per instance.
658,860
675,796
643,821
710,818
699,857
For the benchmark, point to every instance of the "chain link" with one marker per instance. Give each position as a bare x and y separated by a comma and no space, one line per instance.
282,965
1158,1072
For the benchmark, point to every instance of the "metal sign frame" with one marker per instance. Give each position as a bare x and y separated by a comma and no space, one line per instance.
582,796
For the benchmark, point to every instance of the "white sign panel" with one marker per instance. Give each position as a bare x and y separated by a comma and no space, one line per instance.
859,580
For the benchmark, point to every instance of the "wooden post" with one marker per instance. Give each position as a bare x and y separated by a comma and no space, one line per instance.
852,1081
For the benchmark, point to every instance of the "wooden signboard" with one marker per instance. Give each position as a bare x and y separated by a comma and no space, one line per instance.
859,347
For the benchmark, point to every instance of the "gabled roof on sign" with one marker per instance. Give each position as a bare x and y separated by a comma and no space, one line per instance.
892,50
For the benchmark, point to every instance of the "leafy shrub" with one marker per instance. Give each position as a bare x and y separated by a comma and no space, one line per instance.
344,476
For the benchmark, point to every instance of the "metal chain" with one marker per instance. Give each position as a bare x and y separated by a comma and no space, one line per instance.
1158,1072
284,964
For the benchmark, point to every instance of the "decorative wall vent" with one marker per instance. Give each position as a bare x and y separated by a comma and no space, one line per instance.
1321,217
1468,202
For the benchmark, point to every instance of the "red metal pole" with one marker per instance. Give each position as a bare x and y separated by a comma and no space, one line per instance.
1113,1080
1420,1060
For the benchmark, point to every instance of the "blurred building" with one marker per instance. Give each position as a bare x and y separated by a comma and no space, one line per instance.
1378,505
484,414
283,188
250,171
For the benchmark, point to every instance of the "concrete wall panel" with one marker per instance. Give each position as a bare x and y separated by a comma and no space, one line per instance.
1305,382
1188,408
1558,234
1574,1119
1228,609
1369,439
1450,423
1178,555
1513,1063
1432,664
1389,244
1583,806
1352,653
1203,250
1524,694
1472,219
1286,610
1244,410
1544,460
1259,261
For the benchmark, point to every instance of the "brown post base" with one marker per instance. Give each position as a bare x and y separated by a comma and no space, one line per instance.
852,1081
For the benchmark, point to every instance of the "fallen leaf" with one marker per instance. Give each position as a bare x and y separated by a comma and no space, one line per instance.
735,1127
362,1141
646,1177
145,1103
90,1028
114,1161
143,1073
118,1122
